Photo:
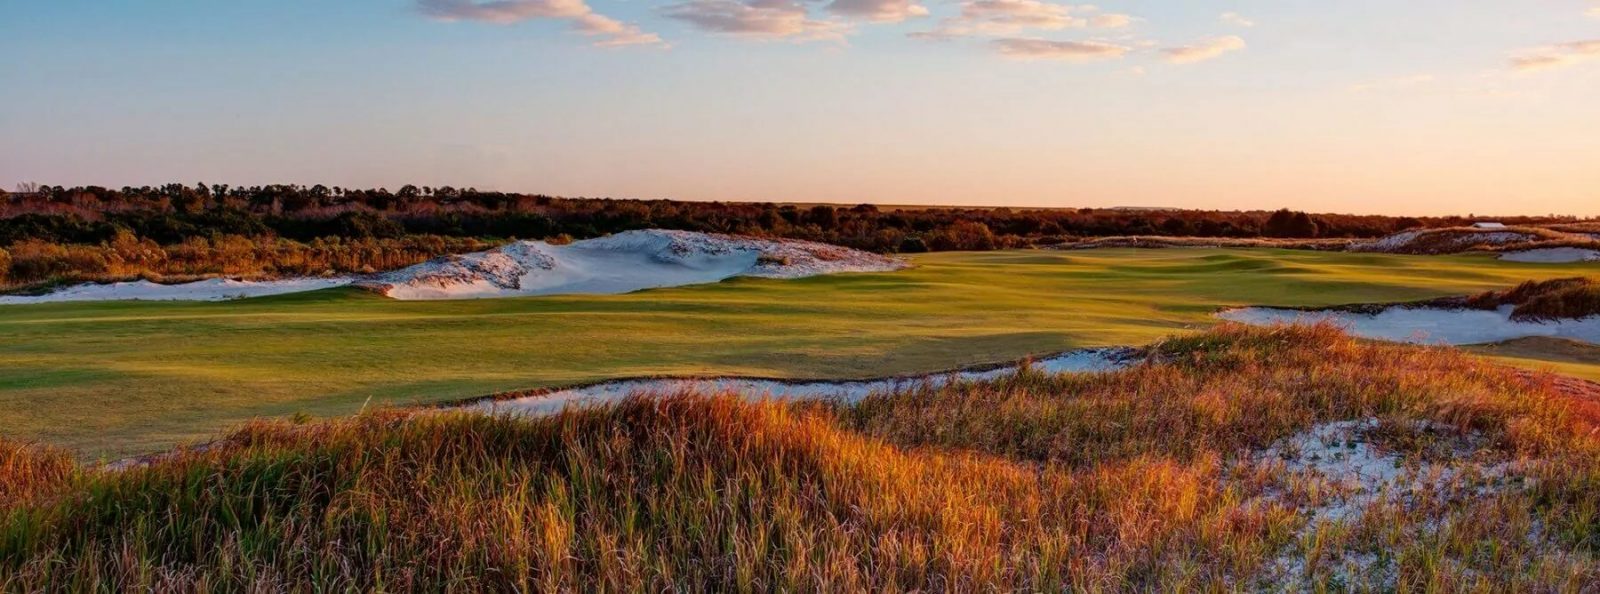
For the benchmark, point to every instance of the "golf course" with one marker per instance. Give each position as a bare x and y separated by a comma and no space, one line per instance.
112,379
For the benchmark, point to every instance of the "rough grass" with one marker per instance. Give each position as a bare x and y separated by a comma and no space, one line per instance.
1565,298
1129,481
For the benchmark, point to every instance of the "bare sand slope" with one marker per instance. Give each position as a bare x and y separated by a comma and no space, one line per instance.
621,263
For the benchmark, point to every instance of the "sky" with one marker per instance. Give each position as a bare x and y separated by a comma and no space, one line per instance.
1360,106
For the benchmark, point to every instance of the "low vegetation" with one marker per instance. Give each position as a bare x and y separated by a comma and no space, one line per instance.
1164,476
1534,301
69,234
125,256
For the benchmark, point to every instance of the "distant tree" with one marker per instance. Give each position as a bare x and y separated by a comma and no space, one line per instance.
1287,223
823,216
913,245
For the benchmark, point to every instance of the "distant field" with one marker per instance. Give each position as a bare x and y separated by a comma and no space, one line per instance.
110,379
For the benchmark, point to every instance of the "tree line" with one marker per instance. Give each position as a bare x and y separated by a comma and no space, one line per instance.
175,214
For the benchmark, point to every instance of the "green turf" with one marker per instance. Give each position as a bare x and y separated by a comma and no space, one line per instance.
116,378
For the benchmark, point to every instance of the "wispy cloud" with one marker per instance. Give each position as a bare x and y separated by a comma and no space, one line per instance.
1236,19
1594,12
1045,49
1007,17
1110,20
608,31
757,19
1560,55
1204,50
878,11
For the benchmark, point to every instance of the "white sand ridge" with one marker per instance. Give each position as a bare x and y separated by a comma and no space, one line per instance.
621,263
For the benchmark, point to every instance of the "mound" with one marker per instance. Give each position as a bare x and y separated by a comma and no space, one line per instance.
621,263
1522,244
1443,241
1562,308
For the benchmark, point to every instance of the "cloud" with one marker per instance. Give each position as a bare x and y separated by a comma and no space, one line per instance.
613,33
1007,17
1205,50
757,19
1110,20
1560,55
583,19
1044,49
1594,12
878,11
1236,19
503,12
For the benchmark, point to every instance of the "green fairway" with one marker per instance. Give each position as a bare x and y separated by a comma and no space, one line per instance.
115,378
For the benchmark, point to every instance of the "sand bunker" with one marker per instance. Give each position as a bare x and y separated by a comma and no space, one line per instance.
1559,255
216,289
621,263
1427,325
1088,360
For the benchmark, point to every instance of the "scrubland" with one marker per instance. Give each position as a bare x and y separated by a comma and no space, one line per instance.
1188,471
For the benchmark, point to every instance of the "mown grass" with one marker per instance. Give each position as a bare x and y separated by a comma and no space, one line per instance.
1128,481
112,379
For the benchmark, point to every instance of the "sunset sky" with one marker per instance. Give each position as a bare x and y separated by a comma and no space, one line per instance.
1403,107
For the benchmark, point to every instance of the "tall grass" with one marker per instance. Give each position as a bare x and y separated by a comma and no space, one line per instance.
1545,300
1127,481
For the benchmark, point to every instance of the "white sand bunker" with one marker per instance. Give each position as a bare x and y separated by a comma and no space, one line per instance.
1559,255
621,263
216,289
549,403
1427,325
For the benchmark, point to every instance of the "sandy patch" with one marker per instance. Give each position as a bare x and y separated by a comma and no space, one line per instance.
1440,240
1560,255
1426,325
1089,360
621,263
1335,474
216,289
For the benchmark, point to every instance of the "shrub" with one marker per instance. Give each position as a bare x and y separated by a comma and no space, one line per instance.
1567,298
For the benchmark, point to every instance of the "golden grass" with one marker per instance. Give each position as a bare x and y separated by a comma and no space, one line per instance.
1555,299
1128,481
